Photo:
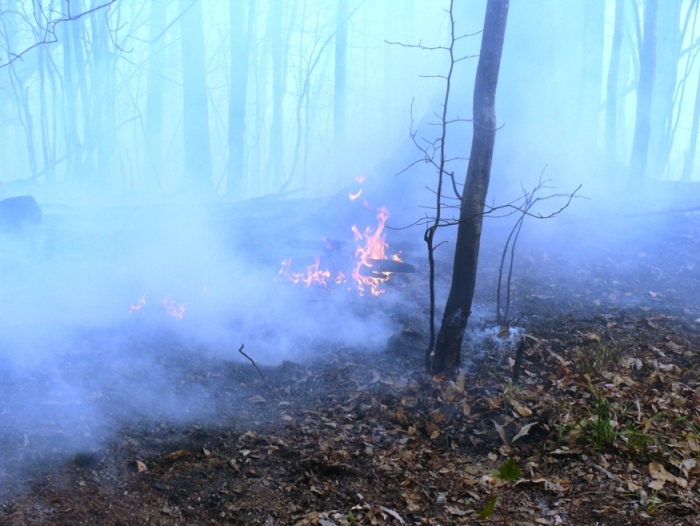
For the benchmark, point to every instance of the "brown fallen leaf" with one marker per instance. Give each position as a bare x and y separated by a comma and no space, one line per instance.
660,476
257,399
501,431
522,409
393,514
524,431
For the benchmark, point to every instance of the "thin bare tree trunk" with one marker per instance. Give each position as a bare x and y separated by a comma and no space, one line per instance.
647,72
692,147
154,96
341,49
459,302
612,90
198,171
237,99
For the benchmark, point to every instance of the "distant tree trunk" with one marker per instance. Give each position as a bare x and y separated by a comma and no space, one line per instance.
154,96
459,302
668,54
198,172
592,77
237,98
276,160
48,153
69,103
647,72
612,90
692,146
341,50
101,143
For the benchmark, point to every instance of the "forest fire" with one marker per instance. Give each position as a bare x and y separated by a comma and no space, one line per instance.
371,249
172,308
312,274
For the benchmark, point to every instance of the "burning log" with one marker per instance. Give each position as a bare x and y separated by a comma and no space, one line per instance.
18,212
386,265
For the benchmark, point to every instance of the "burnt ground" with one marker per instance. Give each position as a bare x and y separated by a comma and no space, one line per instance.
604,423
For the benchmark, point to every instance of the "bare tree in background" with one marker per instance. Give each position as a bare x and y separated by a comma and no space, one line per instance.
340,76
198,171
647,72
240,41
448,347
154,95
612,90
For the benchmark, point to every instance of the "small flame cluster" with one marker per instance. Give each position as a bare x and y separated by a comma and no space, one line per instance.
371,246
312,274
172,308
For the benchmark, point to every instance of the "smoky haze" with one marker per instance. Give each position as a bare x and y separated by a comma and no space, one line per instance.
185,149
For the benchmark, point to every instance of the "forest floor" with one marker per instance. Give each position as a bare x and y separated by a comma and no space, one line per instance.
604,423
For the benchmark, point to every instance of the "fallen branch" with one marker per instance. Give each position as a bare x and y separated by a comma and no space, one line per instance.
240,350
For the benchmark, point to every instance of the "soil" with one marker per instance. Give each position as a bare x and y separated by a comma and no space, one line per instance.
603,425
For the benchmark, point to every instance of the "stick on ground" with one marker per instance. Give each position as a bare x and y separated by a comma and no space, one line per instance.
240,350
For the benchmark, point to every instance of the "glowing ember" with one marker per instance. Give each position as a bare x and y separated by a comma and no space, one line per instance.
136,308
176,310
312,275
374,247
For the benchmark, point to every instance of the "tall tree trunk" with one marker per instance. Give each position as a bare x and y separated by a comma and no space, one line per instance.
276,160
237,99
154,96
102,97
48,159
198,171
341,51
666,79
647,71
459,302
592,77
692,146
612,90
69,103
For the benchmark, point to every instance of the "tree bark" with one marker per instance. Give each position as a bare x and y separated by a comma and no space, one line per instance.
341,49
198,171
647,72
592,74
689,160
237,99
154,96
458,308
276,160
669,41
612,90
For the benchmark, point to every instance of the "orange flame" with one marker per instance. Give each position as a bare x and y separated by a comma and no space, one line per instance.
374,248
176,310
312,274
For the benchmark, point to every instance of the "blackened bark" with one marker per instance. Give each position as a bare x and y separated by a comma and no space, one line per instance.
458,308
647,70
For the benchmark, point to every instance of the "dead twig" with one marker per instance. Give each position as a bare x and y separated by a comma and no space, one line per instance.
240,350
